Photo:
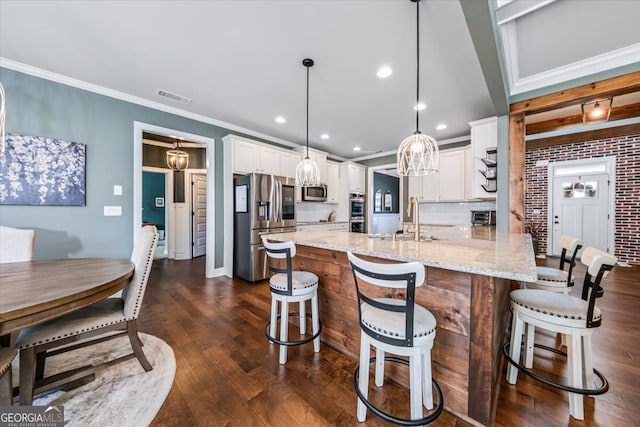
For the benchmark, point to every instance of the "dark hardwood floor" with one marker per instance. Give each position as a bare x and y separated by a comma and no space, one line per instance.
228,374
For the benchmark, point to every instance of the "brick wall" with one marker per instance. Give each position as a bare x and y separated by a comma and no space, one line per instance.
627,197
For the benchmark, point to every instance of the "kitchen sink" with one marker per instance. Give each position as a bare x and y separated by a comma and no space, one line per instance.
403,236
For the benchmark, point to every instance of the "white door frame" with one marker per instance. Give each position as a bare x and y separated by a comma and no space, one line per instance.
138,129
609,168
371,191
168,207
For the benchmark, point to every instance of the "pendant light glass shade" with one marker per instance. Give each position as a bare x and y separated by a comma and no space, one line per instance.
307,171
3,116
177,159
418,154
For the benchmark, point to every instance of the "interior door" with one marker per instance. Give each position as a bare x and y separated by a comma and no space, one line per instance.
199,214
581,209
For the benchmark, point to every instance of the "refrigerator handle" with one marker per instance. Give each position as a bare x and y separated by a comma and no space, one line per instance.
276,200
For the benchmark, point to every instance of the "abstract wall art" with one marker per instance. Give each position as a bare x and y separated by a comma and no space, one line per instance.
40,171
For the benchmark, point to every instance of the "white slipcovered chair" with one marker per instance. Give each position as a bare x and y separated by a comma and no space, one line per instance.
397,326
96,321
289,286
577,318
558,279
16,245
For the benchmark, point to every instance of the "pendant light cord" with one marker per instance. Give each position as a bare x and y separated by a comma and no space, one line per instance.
307,112
418,65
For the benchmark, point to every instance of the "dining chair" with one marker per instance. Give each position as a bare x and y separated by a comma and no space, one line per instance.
7,354
96,321
16,244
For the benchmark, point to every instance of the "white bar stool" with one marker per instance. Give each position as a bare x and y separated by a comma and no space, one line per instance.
557,279
397,326
289,286
575,317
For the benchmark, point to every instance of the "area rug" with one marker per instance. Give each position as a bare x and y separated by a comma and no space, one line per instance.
121,395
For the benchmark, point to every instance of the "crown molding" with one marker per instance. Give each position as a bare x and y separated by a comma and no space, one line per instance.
101,90
597,64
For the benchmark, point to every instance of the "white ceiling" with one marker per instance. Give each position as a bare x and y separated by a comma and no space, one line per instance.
241,61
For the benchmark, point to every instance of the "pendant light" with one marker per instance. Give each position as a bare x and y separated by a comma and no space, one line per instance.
418,153
307,171
3,116
177,159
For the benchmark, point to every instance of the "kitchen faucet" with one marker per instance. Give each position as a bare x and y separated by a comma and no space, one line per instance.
414,209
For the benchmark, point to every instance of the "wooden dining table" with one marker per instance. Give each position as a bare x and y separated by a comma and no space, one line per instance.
33,292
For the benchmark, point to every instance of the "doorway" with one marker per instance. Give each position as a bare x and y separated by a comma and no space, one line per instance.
386,187
581,203
199,214
157,198
138,129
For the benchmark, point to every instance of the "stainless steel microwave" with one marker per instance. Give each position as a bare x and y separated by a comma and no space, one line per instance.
316,193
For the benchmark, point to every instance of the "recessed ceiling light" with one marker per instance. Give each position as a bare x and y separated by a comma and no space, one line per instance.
420,106
384,72
280,119
441,126
324,136
356,148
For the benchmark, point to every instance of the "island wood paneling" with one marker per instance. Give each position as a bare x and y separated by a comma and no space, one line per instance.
469,311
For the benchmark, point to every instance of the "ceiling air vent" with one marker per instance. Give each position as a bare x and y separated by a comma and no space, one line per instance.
173,96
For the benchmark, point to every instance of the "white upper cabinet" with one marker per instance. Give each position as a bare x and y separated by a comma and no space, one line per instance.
253,156
453,176
355,177
288,162
484,135
270,160
333,182
449,184
246,157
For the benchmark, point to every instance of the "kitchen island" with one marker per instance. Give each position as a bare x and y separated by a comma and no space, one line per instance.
468,279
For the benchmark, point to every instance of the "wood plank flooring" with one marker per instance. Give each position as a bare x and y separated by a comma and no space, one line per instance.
228,374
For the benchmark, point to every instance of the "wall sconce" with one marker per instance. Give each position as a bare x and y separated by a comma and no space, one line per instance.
596,111
177,159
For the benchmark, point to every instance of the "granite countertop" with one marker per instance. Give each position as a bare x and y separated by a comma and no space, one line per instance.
320,222
478,250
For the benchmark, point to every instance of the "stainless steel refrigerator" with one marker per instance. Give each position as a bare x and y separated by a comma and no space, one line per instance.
263,204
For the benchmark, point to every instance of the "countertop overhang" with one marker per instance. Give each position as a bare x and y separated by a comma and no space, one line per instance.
460,248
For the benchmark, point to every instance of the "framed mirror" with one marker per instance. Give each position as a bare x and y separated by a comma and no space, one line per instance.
377,206
388,201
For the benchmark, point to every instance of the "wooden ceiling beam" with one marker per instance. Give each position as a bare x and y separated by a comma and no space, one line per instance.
617,113
615,86
592,135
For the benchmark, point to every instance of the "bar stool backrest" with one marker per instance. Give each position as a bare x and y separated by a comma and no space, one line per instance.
396,276
570,246
281,250
598,263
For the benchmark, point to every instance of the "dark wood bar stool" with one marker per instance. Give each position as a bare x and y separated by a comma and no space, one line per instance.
289,286
397,326
577,318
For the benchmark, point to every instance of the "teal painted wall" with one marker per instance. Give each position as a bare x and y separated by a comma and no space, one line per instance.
153,184
41,107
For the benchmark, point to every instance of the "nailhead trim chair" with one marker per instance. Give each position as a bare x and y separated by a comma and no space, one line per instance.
100,319
16,245
289,286
397,326
7,354
577,318
557,279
